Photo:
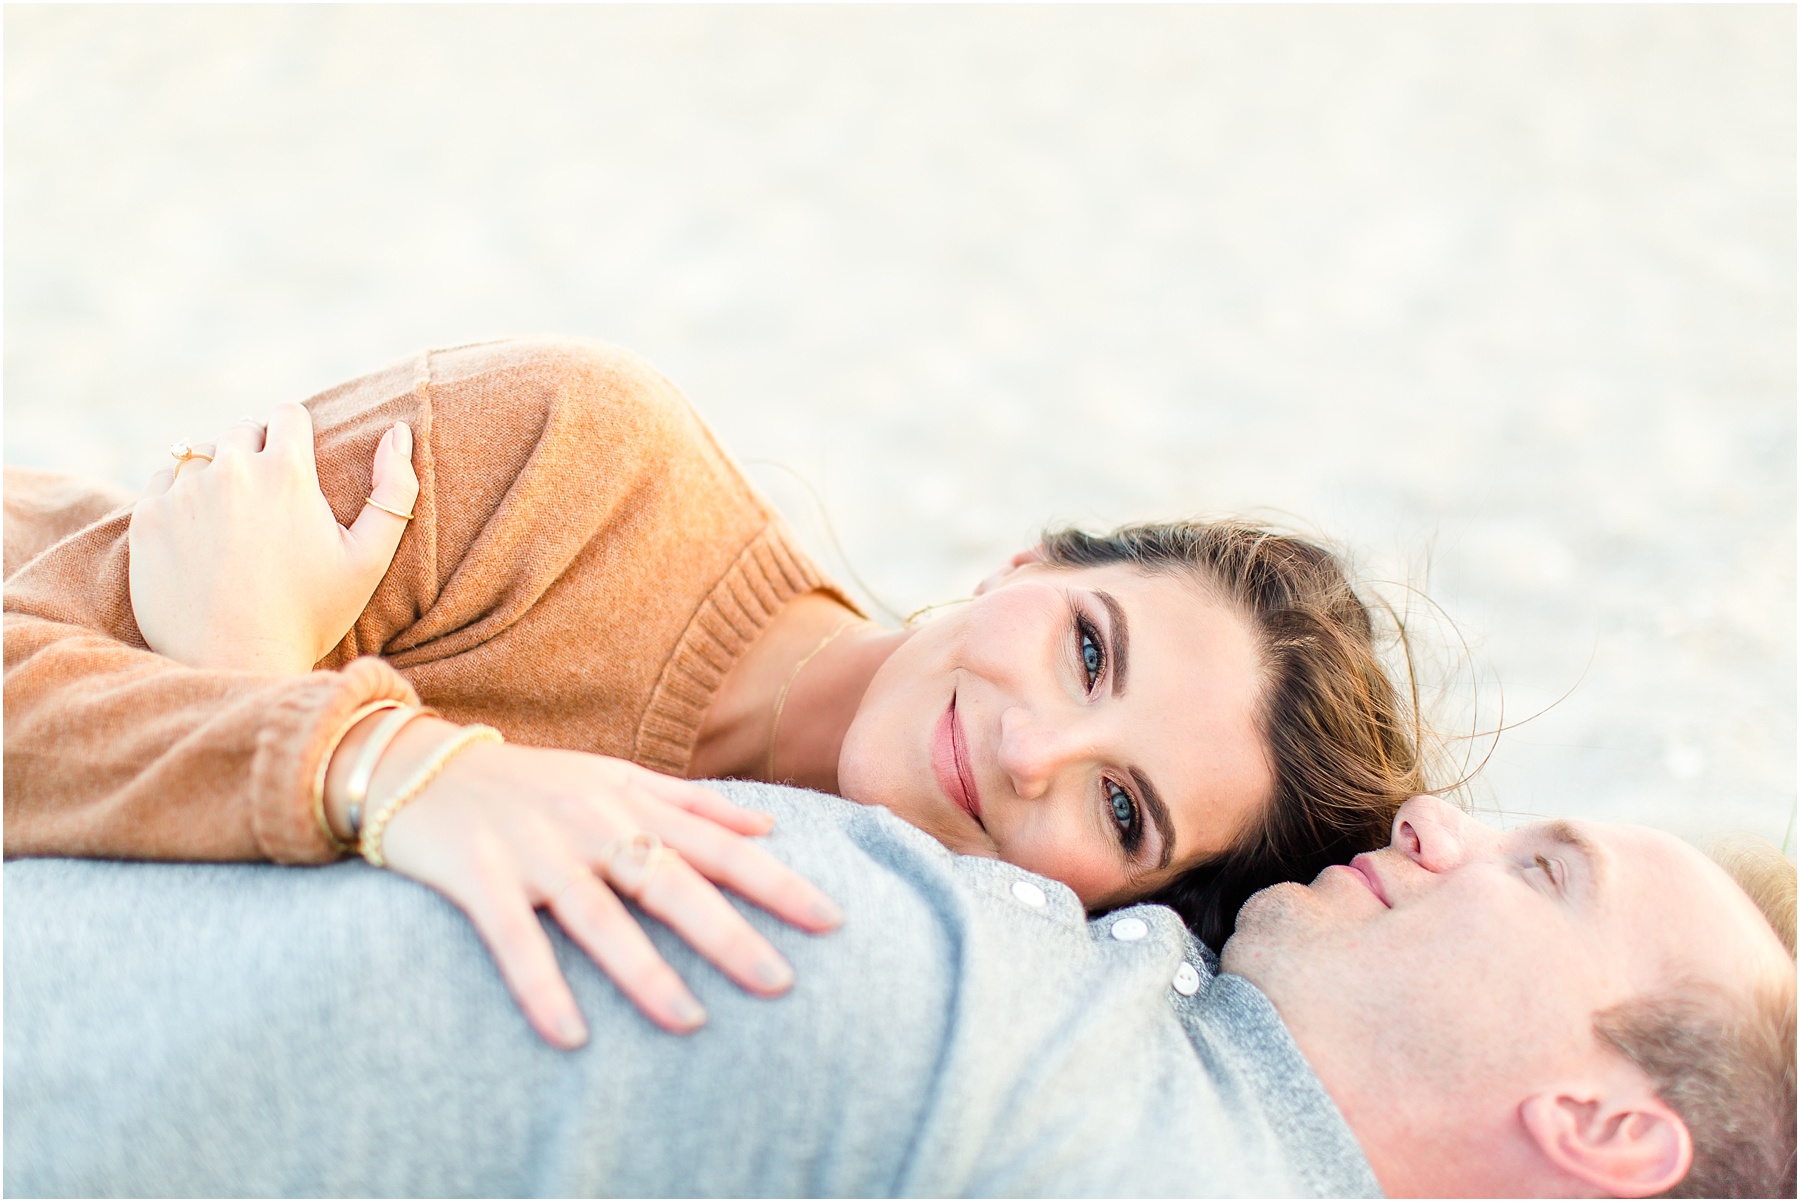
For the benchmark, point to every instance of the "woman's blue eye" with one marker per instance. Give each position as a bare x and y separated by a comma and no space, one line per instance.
1093,655
1124,812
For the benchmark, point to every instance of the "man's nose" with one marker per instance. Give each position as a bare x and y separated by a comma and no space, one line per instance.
1032,751
1432,833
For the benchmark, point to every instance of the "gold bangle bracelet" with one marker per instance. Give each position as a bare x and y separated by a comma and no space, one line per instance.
318,792
376,829
362,774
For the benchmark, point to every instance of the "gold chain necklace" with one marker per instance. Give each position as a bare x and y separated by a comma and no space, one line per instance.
781,697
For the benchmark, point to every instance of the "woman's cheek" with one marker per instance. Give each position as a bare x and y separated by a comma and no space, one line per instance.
859,763
1074,866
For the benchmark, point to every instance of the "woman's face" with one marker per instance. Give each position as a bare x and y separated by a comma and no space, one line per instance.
1094,725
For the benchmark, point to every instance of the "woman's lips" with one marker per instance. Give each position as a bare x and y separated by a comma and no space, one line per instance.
950,760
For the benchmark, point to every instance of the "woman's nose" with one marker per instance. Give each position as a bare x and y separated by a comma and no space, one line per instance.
1431,832
1033,751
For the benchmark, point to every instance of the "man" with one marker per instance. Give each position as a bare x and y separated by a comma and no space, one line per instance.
1564,1009
1560,1009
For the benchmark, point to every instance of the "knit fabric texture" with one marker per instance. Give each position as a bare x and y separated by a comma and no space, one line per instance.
246,1029
585,567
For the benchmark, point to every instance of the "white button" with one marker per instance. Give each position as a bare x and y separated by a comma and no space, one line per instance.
1187,981
1030,894
1128,930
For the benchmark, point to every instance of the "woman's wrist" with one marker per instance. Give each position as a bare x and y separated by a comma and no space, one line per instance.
417,740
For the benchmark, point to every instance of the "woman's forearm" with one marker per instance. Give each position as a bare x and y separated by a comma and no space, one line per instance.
112,750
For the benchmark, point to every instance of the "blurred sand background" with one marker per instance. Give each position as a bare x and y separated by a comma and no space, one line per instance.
1502,298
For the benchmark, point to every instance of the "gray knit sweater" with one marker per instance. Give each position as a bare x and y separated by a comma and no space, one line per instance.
251,1029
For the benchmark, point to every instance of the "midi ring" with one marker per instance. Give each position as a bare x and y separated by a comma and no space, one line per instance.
184,451
629,862
386,509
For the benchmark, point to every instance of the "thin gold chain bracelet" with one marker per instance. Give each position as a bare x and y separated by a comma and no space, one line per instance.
376,828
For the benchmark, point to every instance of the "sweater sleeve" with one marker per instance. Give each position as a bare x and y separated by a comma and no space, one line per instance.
115,751
573,514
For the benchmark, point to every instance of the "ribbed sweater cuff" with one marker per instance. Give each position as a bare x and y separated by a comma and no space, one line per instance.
290,746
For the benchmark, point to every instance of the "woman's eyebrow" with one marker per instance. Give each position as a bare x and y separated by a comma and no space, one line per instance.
1159,814
1121,641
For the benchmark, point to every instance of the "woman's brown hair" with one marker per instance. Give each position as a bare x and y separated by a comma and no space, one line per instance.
1344,748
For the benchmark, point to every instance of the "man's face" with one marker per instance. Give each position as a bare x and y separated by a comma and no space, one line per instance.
1463,967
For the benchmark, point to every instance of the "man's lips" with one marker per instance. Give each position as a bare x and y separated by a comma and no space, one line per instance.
950,760
1364,867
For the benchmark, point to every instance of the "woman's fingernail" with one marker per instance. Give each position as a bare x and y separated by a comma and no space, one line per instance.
826,910
403,438
687,1011
773,974
571,1030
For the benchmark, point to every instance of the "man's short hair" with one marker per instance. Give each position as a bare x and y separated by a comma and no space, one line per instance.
1724,1059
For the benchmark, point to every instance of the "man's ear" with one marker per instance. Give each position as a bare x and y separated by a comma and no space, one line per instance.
1035,555
1628,1144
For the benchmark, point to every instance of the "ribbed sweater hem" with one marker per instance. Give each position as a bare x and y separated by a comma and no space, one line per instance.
770,572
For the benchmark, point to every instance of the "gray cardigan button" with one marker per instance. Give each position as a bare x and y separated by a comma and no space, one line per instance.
1129,930
1030,894
1187,980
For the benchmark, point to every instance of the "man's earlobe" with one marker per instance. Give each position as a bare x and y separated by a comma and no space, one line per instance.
1035,555
1629,1147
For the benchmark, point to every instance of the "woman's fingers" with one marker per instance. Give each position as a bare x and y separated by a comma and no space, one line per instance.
290,432
159,483
699,913
698,799
747,870
506,922
506,828
392,479
244,437
375,535
597,920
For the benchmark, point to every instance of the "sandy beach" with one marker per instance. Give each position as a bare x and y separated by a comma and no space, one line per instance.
1502,299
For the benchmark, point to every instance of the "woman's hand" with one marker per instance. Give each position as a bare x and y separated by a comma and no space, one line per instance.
506,829
239,562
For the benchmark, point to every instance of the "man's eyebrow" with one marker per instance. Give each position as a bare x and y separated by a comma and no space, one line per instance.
1159,814
1561,830
1121,643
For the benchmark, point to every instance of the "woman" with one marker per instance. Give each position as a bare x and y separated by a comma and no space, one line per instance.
1186,712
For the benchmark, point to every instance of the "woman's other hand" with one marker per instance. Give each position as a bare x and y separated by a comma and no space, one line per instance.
239,563
507,829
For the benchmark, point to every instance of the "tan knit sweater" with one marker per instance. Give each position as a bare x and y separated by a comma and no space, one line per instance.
586,566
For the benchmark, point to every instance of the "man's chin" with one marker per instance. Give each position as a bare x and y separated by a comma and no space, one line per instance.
1268,904
1261,924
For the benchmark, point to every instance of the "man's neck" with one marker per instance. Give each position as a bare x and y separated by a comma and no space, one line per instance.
1422,1137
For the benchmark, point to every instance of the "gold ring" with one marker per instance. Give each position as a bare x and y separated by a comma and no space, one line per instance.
184,451
385,509
642,852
